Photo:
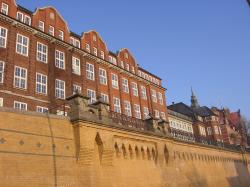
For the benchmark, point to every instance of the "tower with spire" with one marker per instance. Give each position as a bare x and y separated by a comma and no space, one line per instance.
194,101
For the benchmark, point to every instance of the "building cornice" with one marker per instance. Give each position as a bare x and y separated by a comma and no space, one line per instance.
68,46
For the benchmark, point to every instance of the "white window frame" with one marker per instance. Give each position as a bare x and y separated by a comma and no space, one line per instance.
20,81
144,93
21,47
77,43
105,97
125,85
209,131
2,67
163,115
92,96
76,66
61,35
146,112
76,88
19,14
5,10
134,89
115,83
157,114
137,110
41,109
42,52
27,20
41,25
41,86
122,64
127,108
59,89
1,102
117,105
51,30
20,105
3,39
102,55
60,59
90,71
102,76
95,51
160,98
87,46
154,96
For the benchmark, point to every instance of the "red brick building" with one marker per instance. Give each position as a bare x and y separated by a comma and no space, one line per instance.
42,62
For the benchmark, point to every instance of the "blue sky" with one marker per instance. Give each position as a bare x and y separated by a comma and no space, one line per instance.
200,43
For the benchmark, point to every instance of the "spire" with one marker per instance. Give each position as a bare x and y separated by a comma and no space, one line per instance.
194,101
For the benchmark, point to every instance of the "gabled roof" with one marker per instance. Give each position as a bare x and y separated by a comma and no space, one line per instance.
203,111
182,109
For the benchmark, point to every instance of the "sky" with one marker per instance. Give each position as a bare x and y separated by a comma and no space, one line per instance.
200,43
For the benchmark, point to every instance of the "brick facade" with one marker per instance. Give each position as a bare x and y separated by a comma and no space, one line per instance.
92,50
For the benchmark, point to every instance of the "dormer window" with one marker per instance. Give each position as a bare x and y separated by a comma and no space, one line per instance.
94,38
77,43
5,9
127,67
19,16
61,35
74,42
122,64
41,25
95,51
51,30
87,47
27,20
102,55
133,69
126,55
71,40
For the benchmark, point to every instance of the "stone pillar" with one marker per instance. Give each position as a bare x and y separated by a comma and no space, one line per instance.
152,123
102,108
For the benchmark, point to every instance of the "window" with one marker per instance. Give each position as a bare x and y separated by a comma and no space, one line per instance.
209,131
202,130
102,76
154,97
41,109
20,105
5,9
41,83
3,37
146,112
41,52
61,113
160,98
77,43
105,98
126,55
41,25
90,71
60,89
127,67
143,93
157,114
76,69
117,105
1,102
91,94
87,47
61,35
102,55
133,69
163,115
134,89
51,30
20,78
22,45
94,38
137,111
122,64
127,108
27,20
19,16
1,71
125,87
114,81
77,89
216,130
59,59
112,60
95,51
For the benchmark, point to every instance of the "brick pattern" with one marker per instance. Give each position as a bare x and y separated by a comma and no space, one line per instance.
52,18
